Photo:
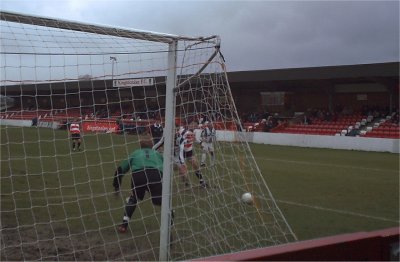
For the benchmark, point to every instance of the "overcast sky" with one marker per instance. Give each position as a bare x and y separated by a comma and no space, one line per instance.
255,34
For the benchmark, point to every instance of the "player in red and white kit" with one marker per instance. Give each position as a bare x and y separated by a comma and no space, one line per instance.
184,151
75,132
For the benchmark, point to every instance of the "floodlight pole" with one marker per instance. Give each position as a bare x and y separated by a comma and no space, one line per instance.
166,202
113,60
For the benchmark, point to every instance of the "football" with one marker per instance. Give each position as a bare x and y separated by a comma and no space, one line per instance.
247,198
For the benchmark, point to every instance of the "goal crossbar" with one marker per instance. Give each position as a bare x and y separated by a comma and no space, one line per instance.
96,29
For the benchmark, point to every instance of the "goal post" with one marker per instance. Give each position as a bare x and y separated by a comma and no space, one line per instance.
168,152
58,201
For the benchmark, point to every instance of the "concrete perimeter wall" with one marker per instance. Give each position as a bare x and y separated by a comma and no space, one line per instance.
316,141
13,122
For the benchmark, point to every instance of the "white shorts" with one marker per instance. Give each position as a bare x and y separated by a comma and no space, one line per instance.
208,147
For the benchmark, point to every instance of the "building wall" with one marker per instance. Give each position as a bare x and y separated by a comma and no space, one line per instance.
250,100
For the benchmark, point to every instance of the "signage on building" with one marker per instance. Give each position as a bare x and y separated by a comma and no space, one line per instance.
133,82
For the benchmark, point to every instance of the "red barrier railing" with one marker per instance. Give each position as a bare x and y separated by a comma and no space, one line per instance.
382,245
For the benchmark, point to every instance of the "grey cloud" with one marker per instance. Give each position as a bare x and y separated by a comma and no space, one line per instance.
262,34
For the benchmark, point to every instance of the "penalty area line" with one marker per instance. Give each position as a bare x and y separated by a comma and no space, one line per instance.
310,163
336,211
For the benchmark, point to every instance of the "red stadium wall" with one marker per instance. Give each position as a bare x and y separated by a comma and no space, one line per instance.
382,245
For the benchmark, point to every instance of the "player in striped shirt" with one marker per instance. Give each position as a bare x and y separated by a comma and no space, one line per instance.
207,138
75,131
156,131
183,150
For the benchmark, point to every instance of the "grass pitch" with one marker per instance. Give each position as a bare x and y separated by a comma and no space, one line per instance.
48,192
325,192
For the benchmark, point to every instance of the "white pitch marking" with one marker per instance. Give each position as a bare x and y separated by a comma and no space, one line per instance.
336,211
326,165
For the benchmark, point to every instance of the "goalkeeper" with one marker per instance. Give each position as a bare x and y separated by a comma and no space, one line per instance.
146,165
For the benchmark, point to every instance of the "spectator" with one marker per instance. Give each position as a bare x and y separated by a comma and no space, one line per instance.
34,121
307,120
120,124
354,132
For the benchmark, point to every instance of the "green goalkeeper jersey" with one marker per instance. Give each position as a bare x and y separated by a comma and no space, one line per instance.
141,159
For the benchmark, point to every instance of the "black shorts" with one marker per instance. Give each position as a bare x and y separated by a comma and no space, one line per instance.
188,154
75,136
147,180
156,140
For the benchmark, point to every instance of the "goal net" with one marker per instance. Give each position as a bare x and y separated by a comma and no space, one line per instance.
57,196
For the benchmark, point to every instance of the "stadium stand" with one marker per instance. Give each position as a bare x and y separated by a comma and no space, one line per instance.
356,124
42,114
387,127
339,125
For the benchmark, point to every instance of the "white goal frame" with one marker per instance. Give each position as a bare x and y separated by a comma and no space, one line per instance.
170,96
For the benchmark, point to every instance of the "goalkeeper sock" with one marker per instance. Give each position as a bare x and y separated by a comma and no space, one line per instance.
130,207
73,145
79,145
125,220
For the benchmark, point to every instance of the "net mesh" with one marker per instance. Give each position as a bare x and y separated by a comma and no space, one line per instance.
59,204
